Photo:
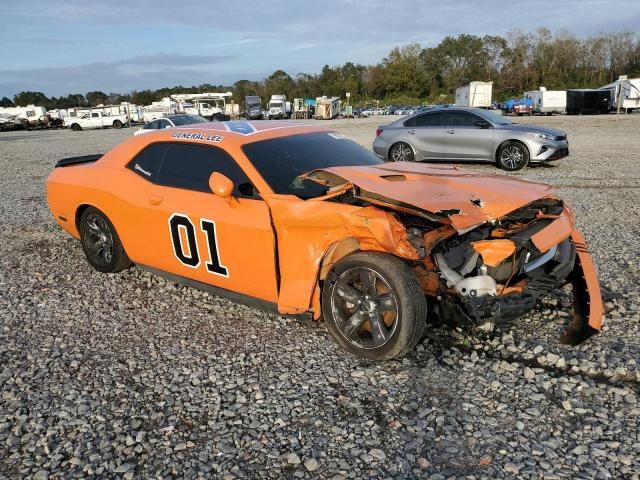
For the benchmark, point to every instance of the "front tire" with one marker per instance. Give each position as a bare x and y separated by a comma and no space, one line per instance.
513,156
117,124
75,127
401,152
100,242
373,305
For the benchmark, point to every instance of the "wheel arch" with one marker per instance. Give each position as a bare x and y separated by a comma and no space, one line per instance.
504,142
413,149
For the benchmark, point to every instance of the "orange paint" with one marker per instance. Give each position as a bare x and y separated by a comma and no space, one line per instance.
280,248
494,252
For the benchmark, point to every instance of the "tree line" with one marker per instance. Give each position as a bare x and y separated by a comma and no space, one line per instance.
413,74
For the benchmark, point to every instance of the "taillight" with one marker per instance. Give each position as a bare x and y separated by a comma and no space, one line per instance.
378,132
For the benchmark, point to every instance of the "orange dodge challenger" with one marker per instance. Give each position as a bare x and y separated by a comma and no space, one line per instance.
300,219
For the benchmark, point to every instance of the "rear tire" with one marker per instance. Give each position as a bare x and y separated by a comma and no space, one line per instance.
117,124
373,305
75,127
401,152
100,242
513,156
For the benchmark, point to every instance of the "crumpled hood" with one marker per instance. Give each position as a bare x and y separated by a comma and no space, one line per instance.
466,198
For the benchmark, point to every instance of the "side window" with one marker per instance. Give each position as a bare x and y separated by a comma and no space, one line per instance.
163,123
190,166
429,120
151,125
95,115
411,122
461,119
147,162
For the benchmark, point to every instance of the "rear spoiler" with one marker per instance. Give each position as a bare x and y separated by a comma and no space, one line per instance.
65,162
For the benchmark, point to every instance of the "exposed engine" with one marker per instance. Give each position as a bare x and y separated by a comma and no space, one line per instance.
495,272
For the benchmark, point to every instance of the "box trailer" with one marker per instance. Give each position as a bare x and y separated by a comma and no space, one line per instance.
476,94
548,101
589,101
626,93
327,107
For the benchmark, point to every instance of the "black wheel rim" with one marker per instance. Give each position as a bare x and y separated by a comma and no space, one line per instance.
401,153
98,239
364,307
512,156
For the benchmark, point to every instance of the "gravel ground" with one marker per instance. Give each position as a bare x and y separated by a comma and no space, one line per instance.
131,376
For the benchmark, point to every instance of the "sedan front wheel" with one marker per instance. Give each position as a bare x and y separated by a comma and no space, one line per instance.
513,156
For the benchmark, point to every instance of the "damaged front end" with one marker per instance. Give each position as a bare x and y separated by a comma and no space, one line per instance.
489,259
498,271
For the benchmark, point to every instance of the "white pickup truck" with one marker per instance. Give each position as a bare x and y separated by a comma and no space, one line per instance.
94,120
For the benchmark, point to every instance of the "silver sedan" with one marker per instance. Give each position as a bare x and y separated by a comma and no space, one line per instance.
457,134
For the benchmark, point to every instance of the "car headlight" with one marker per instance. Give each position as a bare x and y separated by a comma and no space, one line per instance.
544,136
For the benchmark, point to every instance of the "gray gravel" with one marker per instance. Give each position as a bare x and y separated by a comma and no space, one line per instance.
131,376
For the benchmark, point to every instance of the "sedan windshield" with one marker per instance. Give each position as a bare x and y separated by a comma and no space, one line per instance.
282,160
495,118
188,120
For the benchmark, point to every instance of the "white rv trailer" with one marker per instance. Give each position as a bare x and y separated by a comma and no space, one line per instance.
210,105
327,107
626,93
548,101
30,116
125,108
476,95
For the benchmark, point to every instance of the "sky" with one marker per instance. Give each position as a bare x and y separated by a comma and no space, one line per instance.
75,46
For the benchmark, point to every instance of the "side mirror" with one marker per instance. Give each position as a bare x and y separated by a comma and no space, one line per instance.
221,185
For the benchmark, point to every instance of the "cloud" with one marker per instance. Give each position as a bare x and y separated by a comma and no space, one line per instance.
237,40
134,73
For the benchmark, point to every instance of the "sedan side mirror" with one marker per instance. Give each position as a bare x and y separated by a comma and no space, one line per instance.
221,185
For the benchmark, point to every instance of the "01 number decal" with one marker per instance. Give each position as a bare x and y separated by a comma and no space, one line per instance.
185,244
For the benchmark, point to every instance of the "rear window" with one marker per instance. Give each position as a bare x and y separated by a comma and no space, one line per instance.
282,160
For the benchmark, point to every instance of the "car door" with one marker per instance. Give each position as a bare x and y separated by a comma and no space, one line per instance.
468,136
96,120
186,230
426,133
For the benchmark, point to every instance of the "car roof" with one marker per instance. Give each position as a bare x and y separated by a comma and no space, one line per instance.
229,135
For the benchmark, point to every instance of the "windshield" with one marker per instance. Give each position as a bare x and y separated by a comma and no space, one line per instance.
282,160
275,104
188,120
495,118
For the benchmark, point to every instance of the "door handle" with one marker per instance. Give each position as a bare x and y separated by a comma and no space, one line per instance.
451,131
155,199
411,132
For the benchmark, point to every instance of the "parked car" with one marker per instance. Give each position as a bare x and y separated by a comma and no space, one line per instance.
301,220
518,106
169,121
95,120
468,134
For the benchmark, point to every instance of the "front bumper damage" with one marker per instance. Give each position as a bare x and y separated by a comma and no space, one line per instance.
485,249
532,273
